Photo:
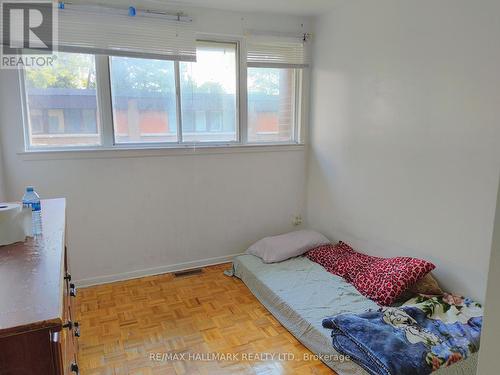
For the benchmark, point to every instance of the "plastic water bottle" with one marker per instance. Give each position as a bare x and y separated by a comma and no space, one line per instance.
32,199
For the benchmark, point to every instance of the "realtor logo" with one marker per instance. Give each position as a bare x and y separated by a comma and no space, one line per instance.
28,29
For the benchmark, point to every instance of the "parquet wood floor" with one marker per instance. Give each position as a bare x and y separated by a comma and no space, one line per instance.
211,315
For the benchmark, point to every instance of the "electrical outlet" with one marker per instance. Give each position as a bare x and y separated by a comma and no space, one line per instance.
297,220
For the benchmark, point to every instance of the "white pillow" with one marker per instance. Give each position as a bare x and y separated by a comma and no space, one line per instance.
285,246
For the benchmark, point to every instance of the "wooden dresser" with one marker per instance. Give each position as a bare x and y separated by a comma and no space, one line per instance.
38,334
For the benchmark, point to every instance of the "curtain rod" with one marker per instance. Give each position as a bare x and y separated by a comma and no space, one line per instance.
304,36
131,11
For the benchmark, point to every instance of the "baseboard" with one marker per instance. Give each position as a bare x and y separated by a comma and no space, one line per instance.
153,271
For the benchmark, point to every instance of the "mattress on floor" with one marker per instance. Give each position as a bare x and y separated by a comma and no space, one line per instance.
300,293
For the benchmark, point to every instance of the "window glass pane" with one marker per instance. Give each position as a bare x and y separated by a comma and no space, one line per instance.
208,94
144,102
62,102
271,104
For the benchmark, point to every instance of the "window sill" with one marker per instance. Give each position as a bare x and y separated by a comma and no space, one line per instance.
134,152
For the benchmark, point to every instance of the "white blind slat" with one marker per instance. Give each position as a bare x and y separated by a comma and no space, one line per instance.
277,52
116,34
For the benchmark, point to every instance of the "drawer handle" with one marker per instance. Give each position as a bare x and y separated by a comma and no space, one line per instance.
72,290
68,276
74,368
54,337
73,325
77,329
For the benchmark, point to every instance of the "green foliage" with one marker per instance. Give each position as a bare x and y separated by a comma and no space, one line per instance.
128,75
211,88
264,81
69,70
144,75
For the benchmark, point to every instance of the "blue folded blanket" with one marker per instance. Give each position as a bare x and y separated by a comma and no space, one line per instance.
419,337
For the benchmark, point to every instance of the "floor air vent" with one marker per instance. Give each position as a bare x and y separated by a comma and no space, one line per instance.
194,271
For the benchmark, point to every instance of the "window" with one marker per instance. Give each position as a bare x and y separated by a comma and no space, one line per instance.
274,69
271,104
143,100
62,102
93,101
208,94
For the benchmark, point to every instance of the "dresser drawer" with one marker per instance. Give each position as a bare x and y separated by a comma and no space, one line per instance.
28,353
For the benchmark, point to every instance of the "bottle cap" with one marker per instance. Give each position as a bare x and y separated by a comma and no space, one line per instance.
29,189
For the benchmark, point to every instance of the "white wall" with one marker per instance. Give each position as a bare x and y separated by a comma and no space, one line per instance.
488,355
2,175
127,215
405,137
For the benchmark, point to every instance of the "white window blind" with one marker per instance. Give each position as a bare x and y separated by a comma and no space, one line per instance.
113,32
276,52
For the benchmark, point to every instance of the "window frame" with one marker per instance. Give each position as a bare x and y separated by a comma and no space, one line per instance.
106,129
111,141
296,111
237,43
28,147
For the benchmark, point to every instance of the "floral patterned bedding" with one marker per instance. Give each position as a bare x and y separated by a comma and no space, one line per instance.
419,337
